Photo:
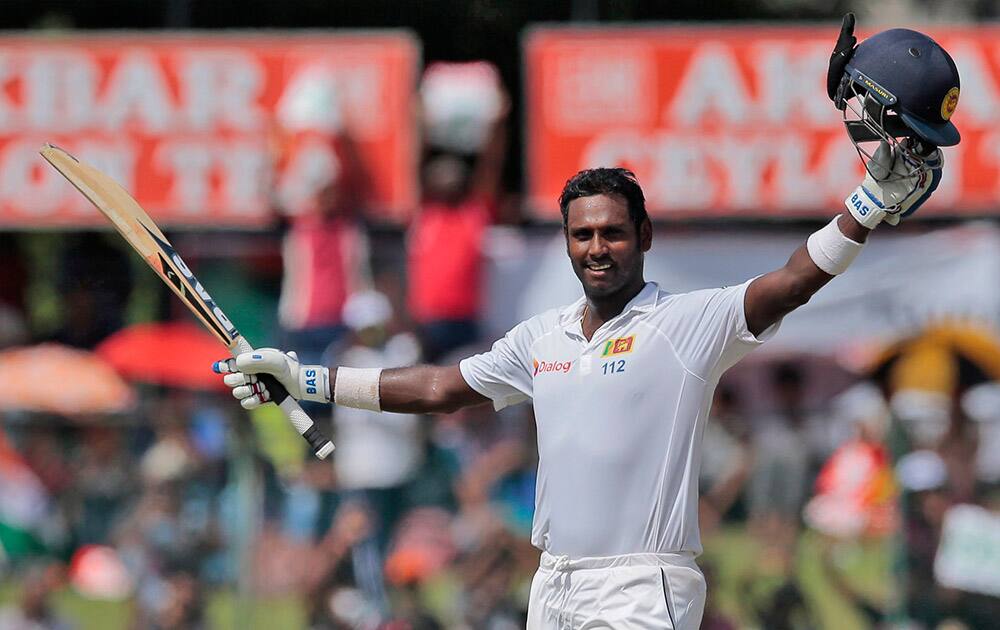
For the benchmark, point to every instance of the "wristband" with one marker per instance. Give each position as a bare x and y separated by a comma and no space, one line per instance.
358,388
831,250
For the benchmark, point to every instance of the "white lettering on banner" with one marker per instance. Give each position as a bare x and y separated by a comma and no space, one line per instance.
800,180
362,85
245,169
137,91
979,102
744,161
190,164
600,84
22,177
789,76
181,101
681,175
694,172
220,88
312,166
712,86
59,92
29,187
8,109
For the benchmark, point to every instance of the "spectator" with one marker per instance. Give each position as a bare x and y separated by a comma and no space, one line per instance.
13,292
726,460
332,601
33,609
104,482
780,477
377,454
95,282
13,273
488,577
325,254
445,256
714,618
178,605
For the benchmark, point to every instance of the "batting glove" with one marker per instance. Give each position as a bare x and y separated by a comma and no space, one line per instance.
894,186
303,382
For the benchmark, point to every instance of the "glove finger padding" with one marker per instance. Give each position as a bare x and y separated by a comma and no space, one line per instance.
252,396
224,366
842,53
238,378
881,164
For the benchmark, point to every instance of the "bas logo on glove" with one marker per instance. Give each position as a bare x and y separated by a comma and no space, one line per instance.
310,381
860,206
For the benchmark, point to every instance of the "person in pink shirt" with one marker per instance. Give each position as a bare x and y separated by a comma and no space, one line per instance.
326,257
444,252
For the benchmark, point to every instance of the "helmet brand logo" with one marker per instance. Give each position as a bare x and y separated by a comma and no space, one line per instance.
949,103
885,95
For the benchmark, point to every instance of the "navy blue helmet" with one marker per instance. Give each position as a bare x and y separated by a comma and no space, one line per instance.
898,86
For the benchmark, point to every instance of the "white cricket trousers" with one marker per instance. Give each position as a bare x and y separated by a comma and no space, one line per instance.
642,591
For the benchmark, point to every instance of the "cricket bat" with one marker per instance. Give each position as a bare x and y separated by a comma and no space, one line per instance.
145,237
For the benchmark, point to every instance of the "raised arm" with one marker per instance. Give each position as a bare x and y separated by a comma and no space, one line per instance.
426,389
775,294
903,183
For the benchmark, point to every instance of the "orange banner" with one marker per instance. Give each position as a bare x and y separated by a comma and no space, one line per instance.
189,123
732,122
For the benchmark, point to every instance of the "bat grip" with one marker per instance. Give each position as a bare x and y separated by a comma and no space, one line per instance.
321,445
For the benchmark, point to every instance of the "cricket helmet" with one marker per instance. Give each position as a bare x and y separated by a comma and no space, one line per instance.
898,86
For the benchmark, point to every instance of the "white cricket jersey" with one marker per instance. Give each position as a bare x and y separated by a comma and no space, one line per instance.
619,417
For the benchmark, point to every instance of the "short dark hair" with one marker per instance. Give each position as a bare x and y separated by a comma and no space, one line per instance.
605,181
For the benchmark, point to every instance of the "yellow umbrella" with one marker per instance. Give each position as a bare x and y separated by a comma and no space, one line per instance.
940,359
58,379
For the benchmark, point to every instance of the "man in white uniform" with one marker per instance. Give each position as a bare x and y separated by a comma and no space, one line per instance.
621,382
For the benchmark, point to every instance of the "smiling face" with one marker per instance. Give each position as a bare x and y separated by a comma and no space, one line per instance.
604,246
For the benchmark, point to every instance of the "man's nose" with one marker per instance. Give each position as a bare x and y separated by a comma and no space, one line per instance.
597,247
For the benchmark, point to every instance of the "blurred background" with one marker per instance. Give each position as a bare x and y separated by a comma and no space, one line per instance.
374,184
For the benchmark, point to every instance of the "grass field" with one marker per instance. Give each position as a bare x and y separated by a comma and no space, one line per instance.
741,577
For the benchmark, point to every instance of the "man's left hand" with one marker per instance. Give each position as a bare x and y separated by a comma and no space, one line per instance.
894,186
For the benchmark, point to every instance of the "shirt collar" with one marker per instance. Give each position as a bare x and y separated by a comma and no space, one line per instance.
645,301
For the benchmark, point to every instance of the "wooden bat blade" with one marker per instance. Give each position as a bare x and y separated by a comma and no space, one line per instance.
108,196
144,236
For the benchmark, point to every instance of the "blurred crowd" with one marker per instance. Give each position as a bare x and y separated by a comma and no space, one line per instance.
423,523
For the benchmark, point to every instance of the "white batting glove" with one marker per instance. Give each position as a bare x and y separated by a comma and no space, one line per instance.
303,382
892,188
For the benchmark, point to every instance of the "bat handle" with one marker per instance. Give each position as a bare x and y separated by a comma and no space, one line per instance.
320,444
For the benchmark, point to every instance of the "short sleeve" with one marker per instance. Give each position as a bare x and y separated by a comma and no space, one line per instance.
502,374
709,329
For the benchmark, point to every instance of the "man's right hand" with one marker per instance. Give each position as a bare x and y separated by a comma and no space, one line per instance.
303,382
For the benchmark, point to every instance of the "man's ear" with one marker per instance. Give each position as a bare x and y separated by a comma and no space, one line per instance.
645,235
